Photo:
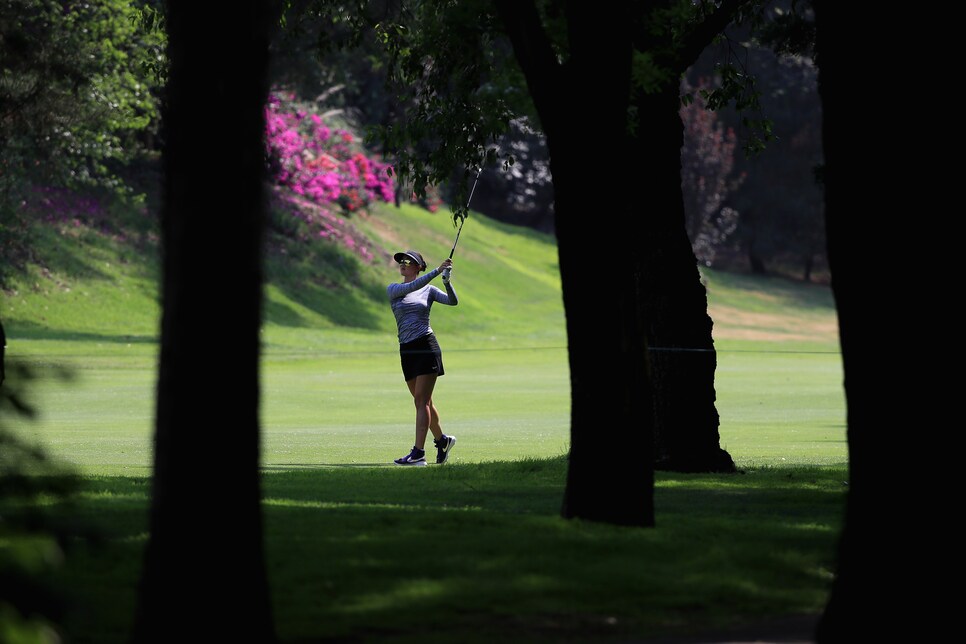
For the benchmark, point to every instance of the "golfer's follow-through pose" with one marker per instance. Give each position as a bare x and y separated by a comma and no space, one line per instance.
419,352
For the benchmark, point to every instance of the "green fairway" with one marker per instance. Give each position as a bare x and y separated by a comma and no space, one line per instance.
493,558
350,408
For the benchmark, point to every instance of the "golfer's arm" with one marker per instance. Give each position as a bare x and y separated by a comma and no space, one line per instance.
451,296
399,289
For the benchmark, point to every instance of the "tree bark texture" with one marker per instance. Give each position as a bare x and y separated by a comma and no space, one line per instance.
204,575
673,299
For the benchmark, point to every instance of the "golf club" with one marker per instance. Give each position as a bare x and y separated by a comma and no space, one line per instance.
463,219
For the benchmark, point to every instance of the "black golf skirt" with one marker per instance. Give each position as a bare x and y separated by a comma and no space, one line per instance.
421,356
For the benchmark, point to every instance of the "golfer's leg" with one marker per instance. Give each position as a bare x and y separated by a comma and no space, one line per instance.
422,390
412,389
434,425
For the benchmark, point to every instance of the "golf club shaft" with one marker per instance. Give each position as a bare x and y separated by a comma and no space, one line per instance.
453,250
463,219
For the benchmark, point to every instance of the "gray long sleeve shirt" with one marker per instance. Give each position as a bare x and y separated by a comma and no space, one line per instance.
411,302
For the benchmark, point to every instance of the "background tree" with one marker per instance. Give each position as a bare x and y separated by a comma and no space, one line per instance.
707,166
780,228
75,108
523,194
204,571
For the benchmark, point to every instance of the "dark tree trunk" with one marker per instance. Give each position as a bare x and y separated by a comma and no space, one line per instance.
204,575
610,476
882,590
609,378
657,268
674,302
757,263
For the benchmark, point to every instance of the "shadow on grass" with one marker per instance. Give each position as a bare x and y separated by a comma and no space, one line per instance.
32,538
34,331
479,553
124,232
340,306
324,280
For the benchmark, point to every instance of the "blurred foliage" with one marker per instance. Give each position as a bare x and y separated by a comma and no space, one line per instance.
707,177
31,543
76,106
446,84
780,203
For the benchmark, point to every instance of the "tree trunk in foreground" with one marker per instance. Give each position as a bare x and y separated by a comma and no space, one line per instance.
204,575
610,477
618,404
885,574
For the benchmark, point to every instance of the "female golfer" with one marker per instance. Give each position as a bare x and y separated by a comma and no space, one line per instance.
419,352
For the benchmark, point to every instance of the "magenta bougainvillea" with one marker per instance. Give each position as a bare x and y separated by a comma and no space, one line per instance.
325,165
322,174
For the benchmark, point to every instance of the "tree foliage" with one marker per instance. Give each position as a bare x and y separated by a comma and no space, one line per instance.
32,544
781,222
73,95
75,103
707,167
451,77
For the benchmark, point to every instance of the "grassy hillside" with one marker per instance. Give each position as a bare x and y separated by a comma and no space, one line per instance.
96,280
88,282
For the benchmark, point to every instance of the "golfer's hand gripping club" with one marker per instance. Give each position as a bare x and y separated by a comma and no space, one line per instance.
447,267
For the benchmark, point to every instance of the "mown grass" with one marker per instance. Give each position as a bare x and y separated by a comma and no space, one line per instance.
358,549
478,552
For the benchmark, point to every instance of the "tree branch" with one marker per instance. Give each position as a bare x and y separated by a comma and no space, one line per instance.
534,53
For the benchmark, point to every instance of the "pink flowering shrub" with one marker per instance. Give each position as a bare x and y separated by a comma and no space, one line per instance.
325,165
70,209
303,220
61,205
